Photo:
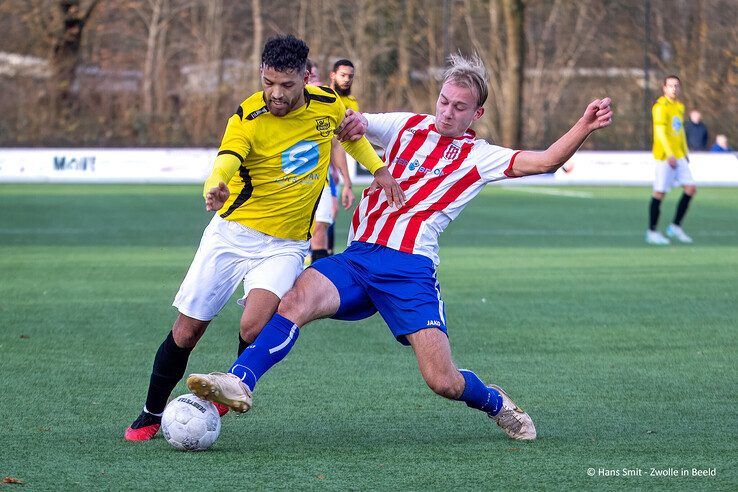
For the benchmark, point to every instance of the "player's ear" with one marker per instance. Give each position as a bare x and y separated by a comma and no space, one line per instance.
478,113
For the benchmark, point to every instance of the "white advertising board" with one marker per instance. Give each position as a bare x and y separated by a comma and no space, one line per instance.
637,168
106,165
193,166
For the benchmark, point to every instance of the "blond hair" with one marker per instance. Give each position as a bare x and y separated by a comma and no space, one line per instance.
468,72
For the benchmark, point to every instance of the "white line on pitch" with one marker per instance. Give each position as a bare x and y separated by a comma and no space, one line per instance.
550,191
594,233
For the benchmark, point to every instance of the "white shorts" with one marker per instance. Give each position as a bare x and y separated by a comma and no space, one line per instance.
230,253
324,212
668,177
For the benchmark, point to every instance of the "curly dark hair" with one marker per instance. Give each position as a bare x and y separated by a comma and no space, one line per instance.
285,53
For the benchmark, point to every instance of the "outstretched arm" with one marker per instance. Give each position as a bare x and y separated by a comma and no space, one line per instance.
597,115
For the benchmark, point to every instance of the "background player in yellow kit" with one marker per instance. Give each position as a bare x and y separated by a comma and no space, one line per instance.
672,162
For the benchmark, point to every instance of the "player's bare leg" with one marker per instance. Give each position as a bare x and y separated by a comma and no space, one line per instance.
259,306
312,297
319,242
433,351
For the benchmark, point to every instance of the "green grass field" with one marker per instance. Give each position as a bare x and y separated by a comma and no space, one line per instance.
623,354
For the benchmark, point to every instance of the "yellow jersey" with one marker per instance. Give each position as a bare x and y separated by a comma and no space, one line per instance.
350,102
276,167
669,138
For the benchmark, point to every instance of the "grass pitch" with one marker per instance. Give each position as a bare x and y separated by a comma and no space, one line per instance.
624,354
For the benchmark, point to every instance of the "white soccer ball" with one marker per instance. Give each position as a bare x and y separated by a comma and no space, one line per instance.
190,423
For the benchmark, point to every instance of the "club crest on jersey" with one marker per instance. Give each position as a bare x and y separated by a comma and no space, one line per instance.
323,125
452,152
300,158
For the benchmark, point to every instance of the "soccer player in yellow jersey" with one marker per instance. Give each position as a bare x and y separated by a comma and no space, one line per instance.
325,214
264,187
342,78
672,162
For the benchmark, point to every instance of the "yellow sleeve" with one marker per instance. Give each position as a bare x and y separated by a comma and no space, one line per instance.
225,166
363,152
660,124
233,150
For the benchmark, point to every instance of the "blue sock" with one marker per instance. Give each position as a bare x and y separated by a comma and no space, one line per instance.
479,396
272,345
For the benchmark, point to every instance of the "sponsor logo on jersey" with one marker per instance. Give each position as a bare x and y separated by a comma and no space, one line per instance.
415,166
300,158
433,322
323,125
676,123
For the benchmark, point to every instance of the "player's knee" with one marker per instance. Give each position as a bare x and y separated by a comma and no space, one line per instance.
445,386
690,190
293,305
250,329
188,331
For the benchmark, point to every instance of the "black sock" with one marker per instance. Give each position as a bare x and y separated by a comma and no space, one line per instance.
242,344
316,254
681,209
170,364
331,239
654,211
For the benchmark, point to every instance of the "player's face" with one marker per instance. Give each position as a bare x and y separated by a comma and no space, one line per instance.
456,110
283,91
342,79
672,88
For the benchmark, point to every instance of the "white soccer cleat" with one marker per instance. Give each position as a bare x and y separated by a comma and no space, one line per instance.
655,237
678,233
221,387
512,419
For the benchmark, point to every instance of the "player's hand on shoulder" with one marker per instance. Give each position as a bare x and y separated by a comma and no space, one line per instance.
383,179
215,198
353,126
598,114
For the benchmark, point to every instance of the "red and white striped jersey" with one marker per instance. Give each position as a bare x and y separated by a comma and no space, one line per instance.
438,174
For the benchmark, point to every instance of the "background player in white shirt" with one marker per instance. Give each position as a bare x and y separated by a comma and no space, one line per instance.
390,265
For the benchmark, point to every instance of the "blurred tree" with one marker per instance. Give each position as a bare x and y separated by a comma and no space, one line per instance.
169,72
65,56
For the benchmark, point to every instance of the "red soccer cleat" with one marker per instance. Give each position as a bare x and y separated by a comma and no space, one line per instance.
143,428
222,409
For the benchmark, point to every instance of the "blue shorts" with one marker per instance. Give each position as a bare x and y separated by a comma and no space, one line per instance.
401,286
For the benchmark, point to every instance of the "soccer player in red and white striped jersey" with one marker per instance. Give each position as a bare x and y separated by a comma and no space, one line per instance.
390,264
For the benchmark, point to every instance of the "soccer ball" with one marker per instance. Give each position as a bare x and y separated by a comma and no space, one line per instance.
190,423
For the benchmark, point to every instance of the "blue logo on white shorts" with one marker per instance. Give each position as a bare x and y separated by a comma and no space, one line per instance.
300,158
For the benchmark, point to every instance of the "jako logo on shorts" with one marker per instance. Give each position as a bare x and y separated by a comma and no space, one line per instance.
300,158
